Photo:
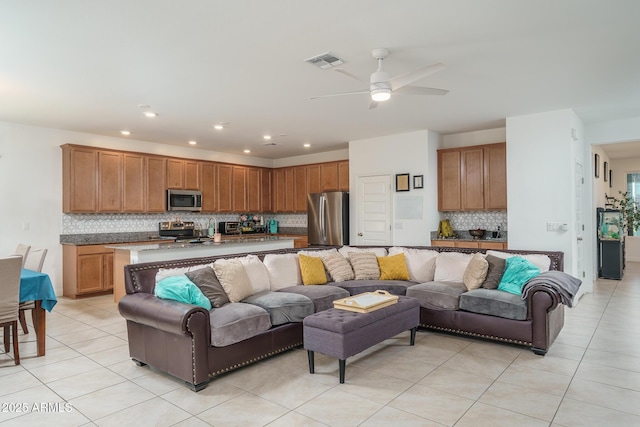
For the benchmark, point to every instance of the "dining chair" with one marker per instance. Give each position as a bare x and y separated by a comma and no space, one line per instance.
9,299
23,250
34,261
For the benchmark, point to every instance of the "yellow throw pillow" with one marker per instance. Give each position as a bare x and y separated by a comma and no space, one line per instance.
393,267
312,270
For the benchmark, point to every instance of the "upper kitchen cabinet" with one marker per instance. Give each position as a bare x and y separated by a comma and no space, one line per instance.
449,180
109,181
495,176
266,193
472,178
209,186
343,176
314,178
184,174
278,193
300,189
253,190
79,179
134,169
239,189
329,177
225,188
156,177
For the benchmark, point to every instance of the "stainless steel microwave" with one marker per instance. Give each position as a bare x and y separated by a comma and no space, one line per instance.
184,200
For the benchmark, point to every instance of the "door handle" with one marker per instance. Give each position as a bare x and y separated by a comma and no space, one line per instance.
360,234
579,238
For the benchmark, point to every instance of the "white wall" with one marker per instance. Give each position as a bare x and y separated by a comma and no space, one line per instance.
541,155
31,183
413,153
465,139
600,187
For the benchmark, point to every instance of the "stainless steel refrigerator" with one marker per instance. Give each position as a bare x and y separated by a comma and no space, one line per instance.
328,218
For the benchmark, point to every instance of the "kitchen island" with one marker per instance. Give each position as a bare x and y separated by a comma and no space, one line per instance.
134,254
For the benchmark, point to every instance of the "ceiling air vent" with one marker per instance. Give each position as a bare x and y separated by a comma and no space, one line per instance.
271,144
324,61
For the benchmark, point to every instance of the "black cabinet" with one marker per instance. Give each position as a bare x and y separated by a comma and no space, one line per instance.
611,259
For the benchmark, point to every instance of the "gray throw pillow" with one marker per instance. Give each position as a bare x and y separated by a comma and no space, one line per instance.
207,281
494,272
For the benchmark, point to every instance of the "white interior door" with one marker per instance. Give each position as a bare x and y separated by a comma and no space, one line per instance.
374,210
579,220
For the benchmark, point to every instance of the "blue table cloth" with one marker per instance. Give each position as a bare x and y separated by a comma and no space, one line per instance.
37,286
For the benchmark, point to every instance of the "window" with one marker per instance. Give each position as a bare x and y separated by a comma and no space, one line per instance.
633,188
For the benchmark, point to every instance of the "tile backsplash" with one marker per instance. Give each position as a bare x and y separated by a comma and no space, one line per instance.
118,223
488,220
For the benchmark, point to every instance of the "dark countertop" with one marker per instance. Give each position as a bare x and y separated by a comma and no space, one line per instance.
484,239
149,236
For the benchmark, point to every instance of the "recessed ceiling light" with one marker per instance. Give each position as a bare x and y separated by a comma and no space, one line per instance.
192,142
218,127
150,114
267,137
247,151
125,132
307,145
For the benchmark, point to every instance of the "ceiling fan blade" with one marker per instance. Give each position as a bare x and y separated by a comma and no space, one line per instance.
340,94
418,90
373,104
348,74
410,77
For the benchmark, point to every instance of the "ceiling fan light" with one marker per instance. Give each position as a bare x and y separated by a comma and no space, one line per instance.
380,94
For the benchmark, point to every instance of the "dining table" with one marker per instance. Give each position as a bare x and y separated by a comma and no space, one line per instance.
36,286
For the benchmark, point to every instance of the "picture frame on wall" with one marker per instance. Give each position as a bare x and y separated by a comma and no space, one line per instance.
610,178
402,182
606,171
596,165
418,181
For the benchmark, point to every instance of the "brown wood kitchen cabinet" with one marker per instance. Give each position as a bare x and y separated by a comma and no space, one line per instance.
239,189
156,188
184,174
225,188
79,179
134,170
472,178
300,189
252,190
209,187
266,185
343,175
470,244
87,270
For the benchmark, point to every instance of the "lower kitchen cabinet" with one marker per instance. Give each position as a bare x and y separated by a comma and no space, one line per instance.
87,270
470,244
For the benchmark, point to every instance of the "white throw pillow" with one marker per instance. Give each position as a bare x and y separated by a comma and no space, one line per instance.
283,269
233,278
344,251
320,253
257,273
163,273
450,266
421,263
543,262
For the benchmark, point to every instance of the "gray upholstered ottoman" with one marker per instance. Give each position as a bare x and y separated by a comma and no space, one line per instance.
341,333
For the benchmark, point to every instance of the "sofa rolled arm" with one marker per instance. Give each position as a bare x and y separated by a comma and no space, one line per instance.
166,315
542,297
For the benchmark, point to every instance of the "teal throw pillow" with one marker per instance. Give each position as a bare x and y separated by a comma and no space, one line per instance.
517,272
180,288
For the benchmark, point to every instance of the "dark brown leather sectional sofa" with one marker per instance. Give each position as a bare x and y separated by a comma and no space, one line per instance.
176,338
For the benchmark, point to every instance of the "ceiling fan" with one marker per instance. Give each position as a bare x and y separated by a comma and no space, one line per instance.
381,86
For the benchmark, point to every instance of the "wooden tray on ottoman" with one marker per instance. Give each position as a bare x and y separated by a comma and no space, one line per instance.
366,302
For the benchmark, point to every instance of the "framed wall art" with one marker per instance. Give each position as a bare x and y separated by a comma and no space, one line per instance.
606,171
402,182
418,181
610,178
596,165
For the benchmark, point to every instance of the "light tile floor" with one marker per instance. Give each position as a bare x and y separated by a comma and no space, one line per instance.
590,377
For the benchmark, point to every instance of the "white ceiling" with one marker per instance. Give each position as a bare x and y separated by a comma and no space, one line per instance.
87,65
